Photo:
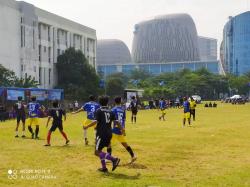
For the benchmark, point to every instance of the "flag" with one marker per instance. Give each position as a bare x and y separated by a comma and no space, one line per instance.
102,83
161,83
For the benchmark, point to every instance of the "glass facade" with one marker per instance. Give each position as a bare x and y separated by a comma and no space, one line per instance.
156,69
236,44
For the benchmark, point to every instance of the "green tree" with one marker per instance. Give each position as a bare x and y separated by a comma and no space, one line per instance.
116,84
7,77
76,76
28,82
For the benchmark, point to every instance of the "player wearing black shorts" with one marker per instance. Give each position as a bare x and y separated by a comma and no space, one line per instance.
19,108
104,118
134,109
57,114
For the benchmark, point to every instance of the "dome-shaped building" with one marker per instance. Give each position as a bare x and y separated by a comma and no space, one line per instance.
169,38
112,51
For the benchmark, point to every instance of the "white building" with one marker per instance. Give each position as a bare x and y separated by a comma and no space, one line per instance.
31,39
208,48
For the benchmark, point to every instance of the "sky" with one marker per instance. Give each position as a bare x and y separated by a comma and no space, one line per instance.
115,19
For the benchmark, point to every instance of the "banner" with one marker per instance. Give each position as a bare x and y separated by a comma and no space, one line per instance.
41,95
55,95
12,95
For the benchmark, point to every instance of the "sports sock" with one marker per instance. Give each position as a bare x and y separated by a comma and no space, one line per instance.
132,119
109,157
48,137
37,131
109,150
135,119
16,133
130,151
30,129
102,158
64,135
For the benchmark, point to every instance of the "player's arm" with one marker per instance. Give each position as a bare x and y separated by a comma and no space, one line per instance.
79,110
91,124
118,123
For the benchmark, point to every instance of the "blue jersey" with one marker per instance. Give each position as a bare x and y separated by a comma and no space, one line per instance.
186,106
33,110
163,104
90,108
120,115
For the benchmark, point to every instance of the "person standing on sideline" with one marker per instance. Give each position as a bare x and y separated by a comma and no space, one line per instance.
192,108
19,108
186,106
134,109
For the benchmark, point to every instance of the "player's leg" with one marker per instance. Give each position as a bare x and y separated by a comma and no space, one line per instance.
184,120
132,117
30,127
130,151
23,123
85,132
17,126
37,132
194,114
60,126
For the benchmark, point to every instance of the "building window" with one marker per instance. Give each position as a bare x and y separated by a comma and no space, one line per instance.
44,49
40,51
49,76
22,68
33,38
58,52
49,34
49,54
34,68
40,75
22,45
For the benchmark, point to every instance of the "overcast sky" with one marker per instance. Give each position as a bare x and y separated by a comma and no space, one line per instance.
115,19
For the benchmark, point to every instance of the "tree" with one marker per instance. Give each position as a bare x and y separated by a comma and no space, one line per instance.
76,76
28,82
7,77
116,84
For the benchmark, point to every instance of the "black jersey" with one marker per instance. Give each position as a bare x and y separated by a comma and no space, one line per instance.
19,109
104,118
134,105
57,114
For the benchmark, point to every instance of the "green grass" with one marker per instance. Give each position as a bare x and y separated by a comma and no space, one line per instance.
214,152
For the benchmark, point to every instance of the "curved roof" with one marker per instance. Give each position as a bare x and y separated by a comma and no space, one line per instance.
166,38
112,51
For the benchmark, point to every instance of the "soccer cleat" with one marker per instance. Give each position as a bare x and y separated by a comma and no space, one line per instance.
37,138
32,136
47,145
104,170
23,136
115,163
133,159
16,136
67,142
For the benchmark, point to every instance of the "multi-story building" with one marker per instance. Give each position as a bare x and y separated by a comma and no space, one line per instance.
159,68
168,38
112,51
235,49
207,48
32,39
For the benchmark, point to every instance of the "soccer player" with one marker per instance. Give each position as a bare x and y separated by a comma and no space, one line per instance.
57,114
118,134
90,107
19,108
103,118
33,112
134,109
163,106
192,108
186,106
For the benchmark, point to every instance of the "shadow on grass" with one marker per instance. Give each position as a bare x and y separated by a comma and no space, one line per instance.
123,176
133,166
29,138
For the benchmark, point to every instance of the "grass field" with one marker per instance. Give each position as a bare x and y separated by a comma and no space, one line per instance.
215,151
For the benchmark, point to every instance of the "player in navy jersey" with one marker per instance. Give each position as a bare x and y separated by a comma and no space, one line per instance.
90,107
162,106
34,110
118,134
186,107
134,109
19,108
56,113
103,120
